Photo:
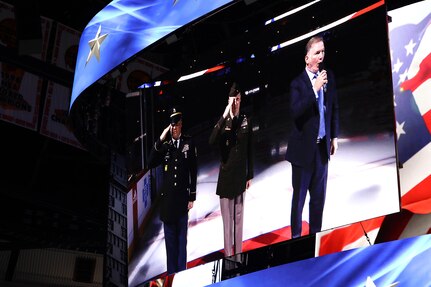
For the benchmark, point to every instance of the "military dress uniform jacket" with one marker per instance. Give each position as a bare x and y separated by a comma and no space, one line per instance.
235,141
179,167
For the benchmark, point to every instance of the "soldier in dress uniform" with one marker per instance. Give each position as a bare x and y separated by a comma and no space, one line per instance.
177,155
233,135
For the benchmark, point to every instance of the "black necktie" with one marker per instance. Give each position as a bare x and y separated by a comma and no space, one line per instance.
176,143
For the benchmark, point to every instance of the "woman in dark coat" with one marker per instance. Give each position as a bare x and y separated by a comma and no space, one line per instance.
233,135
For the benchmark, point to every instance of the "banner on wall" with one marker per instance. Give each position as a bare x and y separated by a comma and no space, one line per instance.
55,110
65,48
46,32
55,115
7,26
20,91
20,94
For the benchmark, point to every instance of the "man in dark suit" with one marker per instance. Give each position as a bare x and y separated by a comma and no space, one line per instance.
233,135
177,154
313,108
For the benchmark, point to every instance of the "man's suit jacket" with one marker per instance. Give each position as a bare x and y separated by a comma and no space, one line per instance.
304,113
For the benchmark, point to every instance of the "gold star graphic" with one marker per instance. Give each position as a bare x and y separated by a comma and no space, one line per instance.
95,45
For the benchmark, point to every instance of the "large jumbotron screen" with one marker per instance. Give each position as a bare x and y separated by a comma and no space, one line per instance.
363,175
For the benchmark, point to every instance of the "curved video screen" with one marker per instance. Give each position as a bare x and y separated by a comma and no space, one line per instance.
362,176
124,28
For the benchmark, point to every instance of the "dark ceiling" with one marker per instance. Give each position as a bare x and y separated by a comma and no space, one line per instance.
55,195
52,194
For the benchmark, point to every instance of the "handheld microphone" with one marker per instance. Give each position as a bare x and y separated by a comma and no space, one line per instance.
322,67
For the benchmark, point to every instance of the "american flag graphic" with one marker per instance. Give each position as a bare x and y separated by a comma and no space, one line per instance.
410,45
411,75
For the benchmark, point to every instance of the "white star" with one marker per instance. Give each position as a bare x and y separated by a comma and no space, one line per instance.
400,130
397,66
409,47
95,45
370,283
403,77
